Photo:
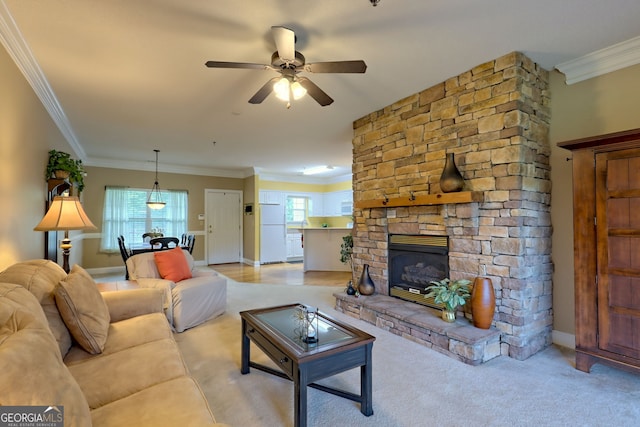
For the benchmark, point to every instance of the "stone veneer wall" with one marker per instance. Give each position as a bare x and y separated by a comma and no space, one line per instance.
495,118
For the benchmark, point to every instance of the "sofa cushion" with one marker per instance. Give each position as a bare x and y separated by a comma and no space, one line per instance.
142,265
126,334
108,377
172,265
40,277
178,402
83,309
32,370
10,292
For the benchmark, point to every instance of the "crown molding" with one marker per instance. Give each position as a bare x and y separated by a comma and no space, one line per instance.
169,168
603,61
14,43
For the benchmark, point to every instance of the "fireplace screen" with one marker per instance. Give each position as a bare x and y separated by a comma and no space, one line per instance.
414,261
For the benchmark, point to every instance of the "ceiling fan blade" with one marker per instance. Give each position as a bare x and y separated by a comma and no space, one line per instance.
285,43
358,66
315,92
264,91
221,64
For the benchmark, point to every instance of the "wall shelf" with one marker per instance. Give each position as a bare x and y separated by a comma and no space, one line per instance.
428,199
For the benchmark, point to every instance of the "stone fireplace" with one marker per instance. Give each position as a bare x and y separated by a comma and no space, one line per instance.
495,118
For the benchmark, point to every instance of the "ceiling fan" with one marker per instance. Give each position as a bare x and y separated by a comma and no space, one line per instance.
289,63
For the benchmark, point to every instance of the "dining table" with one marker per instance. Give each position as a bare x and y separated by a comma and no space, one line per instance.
146,247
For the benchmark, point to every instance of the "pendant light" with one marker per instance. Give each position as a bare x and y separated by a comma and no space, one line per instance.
155,198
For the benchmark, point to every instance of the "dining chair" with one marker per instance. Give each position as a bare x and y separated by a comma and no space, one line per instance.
146,237
164,242
125,253
191,240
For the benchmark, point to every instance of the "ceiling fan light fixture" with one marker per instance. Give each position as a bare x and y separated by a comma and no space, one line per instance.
281,89
297,90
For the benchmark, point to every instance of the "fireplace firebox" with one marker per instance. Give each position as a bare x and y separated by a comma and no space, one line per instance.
414,261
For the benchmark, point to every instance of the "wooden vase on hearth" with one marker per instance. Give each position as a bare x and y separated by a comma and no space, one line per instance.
483,302
366,285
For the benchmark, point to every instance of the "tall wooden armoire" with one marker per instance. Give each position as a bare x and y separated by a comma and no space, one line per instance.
606,226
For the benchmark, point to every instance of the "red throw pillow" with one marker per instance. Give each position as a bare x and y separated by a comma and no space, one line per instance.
172,265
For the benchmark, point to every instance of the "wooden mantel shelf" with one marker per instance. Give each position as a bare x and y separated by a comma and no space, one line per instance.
429,199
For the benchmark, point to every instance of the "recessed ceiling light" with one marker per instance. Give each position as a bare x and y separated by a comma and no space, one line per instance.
316,170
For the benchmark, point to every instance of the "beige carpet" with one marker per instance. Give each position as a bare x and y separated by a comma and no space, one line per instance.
412,385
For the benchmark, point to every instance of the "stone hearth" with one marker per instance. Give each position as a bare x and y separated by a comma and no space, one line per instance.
458,340
495,118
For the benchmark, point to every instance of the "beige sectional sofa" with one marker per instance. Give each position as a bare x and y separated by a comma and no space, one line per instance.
107,359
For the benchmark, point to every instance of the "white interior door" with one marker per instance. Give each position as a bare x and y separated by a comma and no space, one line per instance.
224,227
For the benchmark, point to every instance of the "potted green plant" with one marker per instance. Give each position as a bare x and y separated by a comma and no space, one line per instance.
451,293
346,256
62,166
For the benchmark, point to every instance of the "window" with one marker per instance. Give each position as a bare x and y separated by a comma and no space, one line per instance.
126,214
297,209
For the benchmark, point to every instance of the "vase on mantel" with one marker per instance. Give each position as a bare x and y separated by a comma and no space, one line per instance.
483,302
451,180
366,285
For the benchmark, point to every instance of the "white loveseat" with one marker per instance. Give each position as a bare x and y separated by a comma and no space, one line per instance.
188,302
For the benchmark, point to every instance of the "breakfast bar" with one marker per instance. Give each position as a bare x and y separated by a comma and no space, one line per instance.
322,248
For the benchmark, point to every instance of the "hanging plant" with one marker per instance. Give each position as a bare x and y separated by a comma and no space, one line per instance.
59,161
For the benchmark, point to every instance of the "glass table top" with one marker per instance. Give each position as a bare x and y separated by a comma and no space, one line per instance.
288,323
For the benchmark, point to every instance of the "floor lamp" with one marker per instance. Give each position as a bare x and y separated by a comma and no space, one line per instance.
64,214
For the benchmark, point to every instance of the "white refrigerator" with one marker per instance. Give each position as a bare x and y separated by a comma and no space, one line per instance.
273,234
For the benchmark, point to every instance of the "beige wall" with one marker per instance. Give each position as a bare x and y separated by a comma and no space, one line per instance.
27,133
93,201
596,106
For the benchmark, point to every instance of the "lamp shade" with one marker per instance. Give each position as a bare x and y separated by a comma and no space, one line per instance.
65,213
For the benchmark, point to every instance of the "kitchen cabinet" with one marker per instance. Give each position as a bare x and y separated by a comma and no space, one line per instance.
606,196
317,204
294,245
272,197
338,203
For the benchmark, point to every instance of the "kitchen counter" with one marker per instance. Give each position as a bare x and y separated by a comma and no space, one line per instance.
322,248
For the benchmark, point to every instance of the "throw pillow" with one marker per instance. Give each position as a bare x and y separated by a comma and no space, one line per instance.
172,265
83,310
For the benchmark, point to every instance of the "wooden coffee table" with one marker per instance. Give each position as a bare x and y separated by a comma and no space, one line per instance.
339,348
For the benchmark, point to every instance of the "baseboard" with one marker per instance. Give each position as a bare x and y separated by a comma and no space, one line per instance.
251,262
563,339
